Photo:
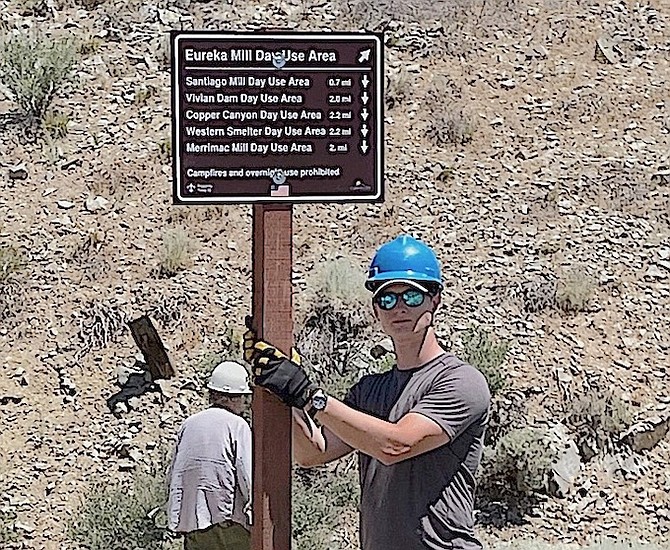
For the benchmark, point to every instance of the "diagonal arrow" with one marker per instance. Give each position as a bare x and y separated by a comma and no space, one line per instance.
364,98
365,81
364,55
364,113
364,130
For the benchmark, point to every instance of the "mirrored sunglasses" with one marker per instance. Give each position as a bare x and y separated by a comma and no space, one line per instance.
411,297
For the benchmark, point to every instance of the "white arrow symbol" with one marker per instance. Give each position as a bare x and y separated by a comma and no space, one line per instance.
364,147
190,187
364,98
364,55
364,113
365,81
364,130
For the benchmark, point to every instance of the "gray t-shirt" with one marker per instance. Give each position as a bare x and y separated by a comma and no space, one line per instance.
426,501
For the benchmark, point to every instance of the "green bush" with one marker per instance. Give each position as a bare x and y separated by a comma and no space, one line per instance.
121,516
521,462
34,68
481,351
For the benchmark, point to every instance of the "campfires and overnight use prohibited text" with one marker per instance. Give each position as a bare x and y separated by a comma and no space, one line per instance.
269,117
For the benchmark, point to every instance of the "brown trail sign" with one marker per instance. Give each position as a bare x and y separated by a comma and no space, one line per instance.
276,118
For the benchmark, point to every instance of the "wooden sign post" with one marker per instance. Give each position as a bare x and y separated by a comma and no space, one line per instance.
273,322
276,118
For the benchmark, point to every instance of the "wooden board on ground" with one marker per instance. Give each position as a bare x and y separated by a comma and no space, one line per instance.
147,339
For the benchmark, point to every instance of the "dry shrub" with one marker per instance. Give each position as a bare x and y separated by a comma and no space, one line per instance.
100,323
451,124
12,263
8,534
56,123
397,87
169,309
114,181
538,294
598,418
175,253
90,5
336,324
575,290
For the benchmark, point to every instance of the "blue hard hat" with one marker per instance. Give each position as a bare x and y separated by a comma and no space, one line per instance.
404,259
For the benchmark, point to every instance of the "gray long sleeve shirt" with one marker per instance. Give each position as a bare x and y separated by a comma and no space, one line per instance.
210,475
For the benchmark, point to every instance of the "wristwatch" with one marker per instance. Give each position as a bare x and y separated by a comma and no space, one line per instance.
319,401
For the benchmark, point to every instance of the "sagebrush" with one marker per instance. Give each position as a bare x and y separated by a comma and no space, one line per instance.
336,321
575,290
483,352
35,68
521,462
121,516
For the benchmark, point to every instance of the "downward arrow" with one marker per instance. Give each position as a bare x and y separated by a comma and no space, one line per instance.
364,147
364,98
365,81
364,113
364,130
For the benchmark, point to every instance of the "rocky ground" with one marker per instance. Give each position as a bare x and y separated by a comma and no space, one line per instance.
556,161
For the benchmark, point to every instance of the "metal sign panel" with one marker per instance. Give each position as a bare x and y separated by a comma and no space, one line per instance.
277,117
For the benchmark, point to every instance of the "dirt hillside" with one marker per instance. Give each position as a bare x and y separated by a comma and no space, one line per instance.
525,141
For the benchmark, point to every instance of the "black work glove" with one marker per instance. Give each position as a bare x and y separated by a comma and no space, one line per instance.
284,378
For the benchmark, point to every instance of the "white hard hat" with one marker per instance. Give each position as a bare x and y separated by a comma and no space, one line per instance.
229,377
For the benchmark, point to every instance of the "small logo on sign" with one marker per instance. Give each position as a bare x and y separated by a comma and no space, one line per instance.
278,177
360,185
278,60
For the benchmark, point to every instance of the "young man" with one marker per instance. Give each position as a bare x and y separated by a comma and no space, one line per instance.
418,428
210,475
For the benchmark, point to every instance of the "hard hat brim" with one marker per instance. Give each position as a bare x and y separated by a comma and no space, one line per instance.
392,282
230,392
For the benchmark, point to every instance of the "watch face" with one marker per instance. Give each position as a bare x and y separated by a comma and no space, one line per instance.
319,400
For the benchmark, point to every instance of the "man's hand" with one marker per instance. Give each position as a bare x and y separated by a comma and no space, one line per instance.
282,377
274,371
252,347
